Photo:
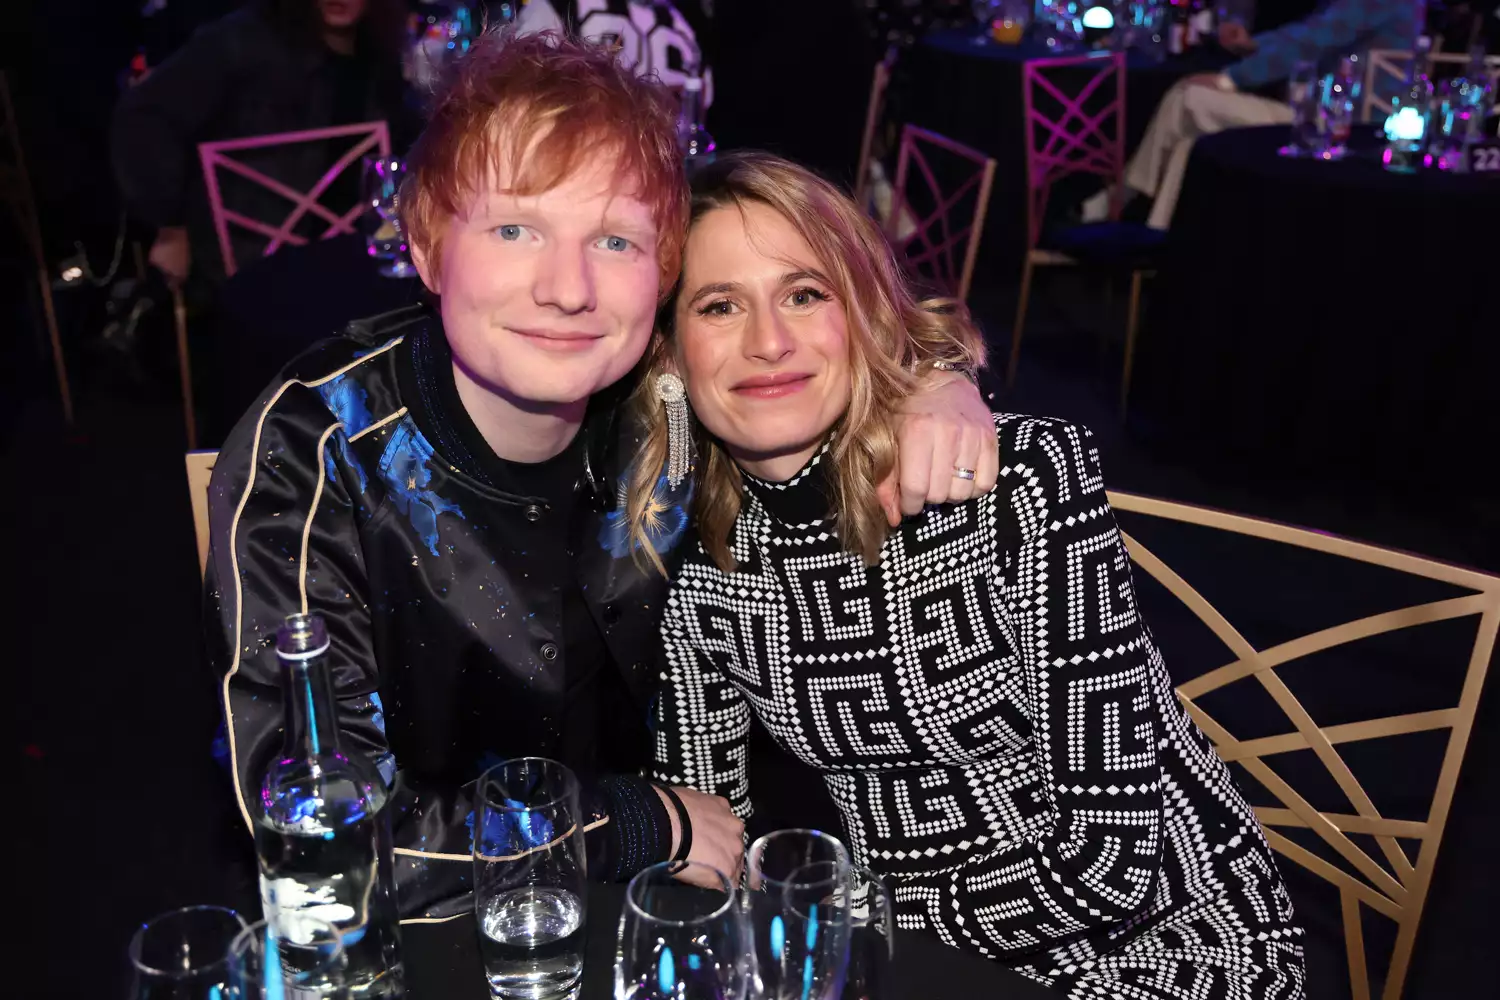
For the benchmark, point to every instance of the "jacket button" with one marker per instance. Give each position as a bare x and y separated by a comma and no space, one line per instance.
533,512
611,613
549,651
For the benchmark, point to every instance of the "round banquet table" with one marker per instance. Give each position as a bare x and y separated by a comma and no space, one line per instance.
276,307
442,962
1331,319
969,89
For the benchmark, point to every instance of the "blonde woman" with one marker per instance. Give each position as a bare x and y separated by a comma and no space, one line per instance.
989,712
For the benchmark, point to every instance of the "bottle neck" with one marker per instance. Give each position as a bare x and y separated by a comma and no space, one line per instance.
311,729
692,109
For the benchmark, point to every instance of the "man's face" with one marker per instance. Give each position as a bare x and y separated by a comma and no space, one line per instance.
547,299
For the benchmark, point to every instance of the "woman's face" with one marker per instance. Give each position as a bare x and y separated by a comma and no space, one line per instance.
761,339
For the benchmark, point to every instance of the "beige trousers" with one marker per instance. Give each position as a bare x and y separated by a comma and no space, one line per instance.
1188,111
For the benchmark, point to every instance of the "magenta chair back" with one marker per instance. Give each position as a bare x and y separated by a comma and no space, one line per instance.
1085,133
931,245
366,138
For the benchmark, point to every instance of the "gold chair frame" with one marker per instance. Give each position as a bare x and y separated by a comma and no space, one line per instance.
1395,63
15,186
1399,896
880,80
200,467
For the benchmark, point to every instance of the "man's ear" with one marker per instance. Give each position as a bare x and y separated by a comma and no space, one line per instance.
425,269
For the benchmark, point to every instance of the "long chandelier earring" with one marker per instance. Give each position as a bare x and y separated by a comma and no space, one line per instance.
673,394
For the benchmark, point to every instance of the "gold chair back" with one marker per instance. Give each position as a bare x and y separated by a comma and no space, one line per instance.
1396,63
874,111
1397,888
200,467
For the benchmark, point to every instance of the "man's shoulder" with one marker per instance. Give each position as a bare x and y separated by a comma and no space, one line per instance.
349,379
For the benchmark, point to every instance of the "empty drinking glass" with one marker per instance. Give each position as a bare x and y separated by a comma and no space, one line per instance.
529,878
304,961
1339,91
184,954
872,935
680,941
799,921
381,222
1302,100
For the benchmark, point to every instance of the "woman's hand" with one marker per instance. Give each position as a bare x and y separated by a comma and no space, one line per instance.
944,426
718,835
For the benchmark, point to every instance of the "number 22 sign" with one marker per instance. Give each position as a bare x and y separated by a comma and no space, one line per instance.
1484,158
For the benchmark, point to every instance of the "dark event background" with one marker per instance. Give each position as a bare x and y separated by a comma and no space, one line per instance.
114,712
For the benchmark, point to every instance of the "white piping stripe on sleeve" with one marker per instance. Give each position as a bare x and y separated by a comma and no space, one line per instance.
234,561
312,511
436,856
434,920
379,424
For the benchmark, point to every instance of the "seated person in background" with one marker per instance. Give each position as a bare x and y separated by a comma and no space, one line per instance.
1212,102
272,66
652,36
441,486
990,713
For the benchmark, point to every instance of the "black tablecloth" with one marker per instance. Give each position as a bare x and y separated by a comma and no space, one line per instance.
277,306
972,93
1333,318
442,962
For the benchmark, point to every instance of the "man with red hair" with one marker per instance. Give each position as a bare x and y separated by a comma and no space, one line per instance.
442,485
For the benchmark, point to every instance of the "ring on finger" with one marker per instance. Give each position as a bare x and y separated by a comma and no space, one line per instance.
959,472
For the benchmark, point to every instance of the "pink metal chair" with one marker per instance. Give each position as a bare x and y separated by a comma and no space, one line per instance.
367,136
1086,135
931,244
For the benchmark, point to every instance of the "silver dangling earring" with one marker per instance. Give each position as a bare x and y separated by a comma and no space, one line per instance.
673,394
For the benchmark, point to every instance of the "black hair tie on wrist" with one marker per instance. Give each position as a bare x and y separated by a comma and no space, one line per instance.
685,847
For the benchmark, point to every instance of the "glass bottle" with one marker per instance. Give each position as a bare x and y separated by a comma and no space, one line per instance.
324,835
1406,127
693,141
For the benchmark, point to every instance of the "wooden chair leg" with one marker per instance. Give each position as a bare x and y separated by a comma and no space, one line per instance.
49,314
185,369
1132,327
1020,325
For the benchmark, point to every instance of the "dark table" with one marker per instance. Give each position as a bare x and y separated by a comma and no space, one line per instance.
442,962
1331,319
276,307
971,92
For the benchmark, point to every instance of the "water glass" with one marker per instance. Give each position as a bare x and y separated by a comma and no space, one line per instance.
184,954
529,879
872,935
303,962
385,240
1337,94
682,942
1302,100
798,921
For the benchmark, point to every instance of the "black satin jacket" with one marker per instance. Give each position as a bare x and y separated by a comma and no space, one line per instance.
442,597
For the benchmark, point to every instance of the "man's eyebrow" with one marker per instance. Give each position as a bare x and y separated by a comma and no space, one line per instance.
717,288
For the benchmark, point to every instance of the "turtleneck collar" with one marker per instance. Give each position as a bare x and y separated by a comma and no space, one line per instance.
802,499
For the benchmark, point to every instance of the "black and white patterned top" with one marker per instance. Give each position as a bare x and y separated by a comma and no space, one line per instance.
995,724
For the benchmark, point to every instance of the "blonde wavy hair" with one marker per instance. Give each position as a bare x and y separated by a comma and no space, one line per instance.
895,338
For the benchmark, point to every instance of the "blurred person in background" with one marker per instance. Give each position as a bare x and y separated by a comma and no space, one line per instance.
1211,102
271,66
653,36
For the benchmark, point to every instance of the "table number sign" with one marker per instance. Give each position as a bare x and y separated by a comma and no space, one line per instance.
1484,158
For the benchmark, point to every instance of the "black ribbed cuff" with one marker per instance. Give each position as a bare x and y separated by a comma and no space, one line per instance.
640,829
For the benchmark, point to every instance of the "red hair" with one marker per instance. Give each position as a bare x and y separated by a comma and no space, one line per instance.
544,105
